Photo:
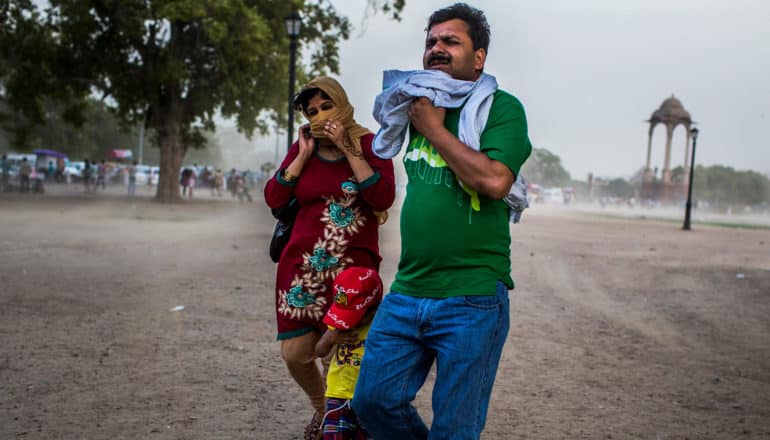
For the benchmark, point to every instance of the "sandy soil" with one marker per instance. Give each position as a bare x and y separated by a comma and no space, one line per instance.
621,329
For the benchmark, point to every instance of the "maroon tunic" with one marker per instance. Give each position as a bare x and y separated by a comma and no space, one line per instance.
335,228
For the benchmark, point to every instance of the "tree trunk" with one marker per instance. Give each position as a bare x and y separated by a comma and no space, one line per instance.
171,154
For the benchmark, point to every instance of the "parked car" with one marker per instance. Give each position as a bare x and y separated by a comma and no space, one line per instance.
142,173
73,171
145,172
553,195
154,175
116,174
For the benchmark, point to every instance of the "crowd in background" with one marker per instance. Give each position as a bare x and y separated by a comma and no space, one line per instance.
26,173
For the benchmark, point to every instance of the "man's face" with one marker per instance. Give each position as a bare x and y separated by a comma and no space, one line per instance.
449,48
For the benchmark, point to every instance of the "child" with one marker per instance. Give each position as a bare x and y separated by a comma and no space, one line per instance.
357,293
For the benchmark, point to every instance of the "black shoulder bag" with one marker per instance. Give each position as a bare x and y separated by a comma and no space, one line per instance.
285,216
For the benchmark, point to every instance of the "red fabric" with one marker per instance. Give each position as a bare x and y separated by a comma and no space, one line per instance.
335,228
356,289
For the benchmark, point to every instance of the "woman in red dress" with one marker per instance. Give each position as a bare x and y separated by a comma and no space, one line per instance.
343,191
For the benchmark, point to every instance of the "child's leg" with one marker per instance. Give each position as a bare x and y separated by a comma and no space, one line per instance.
341,423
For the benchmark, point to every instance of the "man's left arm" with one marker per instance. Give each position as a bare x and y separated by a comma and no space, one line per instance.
490,173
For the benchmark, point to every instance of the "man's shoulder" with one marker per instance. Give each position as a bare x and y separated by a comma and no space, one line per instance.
505,101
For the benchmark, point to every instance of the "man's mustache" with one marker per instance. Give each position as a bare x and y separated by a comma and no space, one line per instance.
439,58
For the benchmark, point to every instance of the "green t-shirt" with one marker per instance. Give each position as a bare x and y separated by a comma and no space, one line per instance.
447,247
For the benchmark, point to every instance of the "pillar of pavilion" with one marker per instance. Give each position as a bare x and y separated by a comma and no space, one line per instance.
670,114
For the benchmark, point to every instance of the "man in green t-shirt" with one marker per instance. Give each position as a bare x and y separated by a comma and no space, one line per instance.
449,301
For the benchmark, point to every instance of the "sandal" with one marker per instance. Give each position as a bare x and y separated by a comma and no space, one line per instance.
314,430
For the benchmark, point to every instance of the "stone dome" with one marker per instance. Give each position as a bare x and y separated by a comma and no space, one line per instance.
671,111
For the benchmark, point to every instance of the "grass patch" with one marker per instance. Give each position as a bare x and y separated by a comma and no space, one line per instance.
152,218
716,223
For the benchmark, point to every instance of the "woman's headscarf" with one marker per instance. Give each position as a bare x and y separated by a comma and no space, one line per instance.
342,111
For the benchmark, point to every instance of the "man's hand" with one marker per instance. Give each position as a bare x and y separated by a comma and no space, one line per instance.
426,118
489,177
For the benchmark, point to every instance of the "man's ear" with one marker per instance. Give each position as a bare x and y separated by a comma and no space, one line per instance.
480,57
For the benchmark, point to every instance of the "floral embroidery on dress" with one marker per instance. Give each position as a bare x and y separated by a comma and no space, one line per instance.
327,260
299,298
342,220
349,187
321,260
299,303
341,216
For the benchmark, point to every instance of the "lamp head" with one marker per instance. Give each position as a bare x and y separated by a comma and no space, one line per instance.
293,23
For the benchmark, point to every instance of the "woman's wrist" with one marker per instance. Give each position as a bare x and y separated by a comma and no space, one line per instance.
294,169
350,150
288,176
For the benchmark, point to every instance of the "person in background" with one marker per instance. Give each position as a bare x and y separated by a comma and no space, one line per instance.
206,176
5,169
193,178
132,178
87,171
94,175
184,180
231,182
241,189
101,175
51,172
60,167
25,173
219,182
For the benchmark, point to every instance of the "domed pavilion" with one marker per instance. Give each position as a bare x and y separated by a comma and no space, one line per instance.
670,114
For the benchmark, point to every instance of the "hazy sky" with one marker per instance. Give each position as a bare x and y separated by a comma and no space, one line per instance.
591,72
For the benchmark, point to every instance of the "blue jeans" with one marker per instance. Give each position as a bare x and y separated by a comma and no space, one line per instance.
463,335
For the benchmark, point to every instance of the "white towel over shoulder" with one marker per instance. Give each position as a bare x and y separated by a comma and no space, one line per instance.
401,87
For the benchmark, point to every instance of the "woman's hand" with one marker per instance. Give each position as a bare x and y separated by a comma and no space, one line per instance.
336,133
306,141
306,147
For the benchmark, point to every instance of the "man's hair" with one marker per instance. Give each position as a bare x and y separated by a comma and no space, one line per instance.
478,28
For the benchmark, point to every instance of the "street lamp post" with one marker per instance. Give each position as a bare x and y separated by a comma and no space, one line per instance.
141,138
293,24
688,206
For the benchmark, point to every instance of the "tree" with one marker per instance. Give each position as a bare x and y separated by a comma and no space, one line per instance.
169,64
99,133
545,169
724,186
619,188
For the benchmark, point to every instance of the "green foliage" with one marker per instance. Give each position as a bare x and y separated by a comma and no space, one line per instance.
190,58
619,188
170,64
544,168
723,186
99,133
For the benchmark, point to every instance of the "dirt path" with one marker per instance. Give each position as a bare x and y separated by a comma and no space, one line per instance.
620,329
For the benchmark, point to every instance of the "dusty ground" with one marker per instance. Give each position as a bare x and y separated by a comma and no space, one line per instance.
621,329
